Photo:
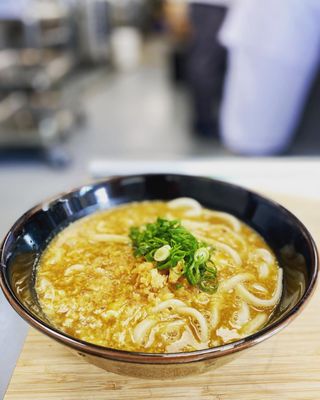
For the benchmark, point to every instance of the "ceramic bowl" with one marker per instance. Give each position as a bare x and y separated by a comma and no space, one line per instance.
287,236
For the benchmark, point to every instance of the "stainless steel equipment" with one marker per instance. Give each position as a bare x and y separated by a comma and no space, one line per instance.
35,61
93,26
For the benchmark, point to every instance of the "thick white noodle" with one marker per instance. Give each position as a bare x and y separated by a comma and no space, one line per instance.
215,315
227,249
192,312
187,339
154,330
230,219
109,237
73,268
110,314
259,288
231,232
141,329
263,270
268,260
256,323
181,308
193,212
224,248
265,255
151,337
194,207
231,283
227,334
195,226
171,303
242,316
255,301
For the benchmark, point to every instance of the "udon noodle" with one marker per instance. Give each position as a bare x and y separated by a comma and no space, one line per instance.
92,285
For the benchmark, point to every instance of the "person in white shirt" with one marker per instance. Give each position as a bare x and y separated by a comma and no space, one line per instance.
273,55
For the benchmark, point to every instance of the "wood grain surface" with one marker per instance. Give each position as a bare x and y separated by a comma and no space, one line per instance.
286,366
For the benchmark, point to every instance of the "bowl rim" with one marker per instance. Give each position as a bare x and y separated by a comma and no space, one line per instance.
156,358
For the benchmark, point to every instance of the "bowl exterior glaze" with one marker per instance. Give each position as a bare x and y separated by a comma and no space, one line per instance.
158,371
287,236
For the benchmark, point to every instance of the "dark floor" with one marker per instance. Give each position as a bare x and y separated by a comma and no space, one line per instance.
307,140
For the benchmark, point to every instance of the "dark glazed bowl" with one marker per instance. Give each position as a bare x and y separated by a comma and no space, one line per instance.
286,235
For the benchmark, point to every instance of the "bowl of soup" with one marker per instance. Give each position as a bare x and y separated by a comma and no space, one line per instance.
158,275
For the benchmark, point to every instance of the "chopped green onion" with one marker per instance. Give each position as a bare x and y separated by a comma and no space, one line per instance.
162,253
202,255
167,243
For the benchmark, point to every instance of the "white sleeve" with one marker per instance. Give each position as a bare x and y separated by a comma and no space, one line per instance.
273,51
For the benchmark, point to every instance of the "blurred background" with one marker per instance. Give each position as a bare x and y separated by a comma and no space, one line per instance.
89,88
91,79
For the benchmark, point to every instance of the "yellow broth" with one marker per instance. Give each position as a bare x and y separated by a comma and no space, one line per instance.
95,289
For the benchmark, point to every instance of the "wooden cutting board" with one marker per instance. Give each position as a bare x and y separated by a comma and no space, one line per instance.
286,366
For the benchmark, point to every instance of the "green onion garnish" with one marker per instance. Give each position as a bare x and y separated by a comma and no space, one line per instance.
167,242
